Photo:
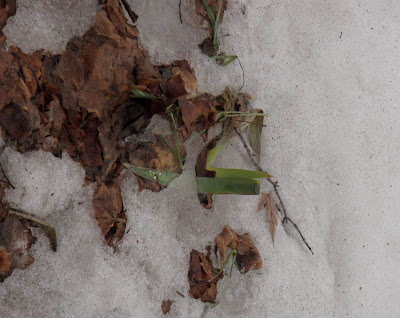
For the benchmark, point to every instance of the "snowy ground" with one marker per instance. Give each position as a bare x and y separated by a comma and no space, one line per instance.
328,75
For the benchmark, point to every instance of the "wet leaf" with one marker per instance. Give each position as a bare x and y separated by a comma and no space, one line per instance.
108,211
15,240
48,229
202,283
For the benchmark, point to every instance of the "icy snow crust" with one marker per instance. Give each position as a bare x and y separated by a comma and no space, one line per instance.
327,74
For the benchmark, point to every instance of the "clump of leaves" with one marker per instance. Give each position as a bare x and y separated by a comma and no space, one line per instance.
212,11
203,276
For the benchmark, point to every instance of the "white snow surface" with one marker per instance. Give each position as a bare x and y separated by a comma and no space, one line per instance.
327,73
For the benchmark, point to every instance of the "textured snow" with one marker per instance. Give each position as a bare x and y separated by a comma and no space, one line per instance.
327,74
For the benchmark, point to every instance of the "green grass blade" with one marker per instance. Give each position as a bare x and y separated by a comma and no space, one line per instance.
137,93
210,13
174,151
227,258
242,174
227,186
163,177
216,25
230,58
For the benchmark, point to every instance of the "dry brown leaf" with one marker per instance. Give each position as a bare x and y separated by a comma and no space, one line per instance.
226,239
166,306
5,262
16,239
155,155
267,202
202,283
4,208
248,257
108,211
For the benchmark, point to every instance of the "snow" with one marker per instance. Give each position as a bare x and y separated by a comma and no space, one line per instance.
327,75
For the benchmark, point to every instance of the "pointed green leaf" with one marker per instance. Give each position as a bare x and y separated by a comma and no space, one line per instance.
238,173
163,177
227,186
137,93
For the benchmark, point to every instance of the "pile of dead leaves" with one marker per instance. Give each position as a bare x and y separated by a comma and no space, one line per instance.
203,276
79,102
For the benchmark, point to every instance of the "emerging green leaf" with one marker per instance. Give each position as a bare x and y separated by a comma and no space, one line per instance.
163,177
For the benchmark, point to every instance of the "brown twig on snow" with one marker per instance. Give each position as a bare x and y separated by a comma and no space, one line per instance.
128,9
5,176
286,218
180,294
180,11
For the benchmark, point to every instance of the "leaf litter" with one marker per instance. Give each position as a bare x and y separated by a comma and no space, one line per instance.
89,99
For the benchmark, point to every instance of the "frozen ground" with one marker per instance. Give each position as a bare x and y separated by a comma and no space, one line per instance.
327,73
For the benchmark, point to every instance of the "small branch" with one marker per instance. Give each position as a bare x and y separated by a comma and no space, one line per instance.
286,218
180,11
128,9
180,294
5,176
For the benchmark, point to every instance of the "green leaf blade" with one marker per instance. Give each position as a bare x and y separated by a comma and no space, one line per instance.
227,186
241,174
137,93
163,177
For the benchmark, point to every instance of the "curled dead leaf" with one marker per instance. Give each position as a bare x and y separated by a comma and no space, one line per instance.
166,306
108,211
16,239
202,283
248,257
267,202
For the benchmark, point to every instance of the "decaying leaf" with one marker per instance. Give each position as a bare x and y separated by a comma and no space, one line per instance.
166,306
15,240
202,279
267,202
5,263
108,211
254,134
248,257
4,208
203,276
32,221
155,155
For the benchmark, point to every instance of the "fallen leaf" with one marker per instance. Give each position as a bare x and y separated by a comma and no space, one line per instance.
248,257
202,283
226,239
108,211
16,239
166,306
5,263
267,202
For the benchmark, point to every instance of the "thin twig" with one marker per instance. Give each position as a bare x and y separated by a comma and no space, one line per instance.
180,11
286,218
180,294
5,176
128,9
